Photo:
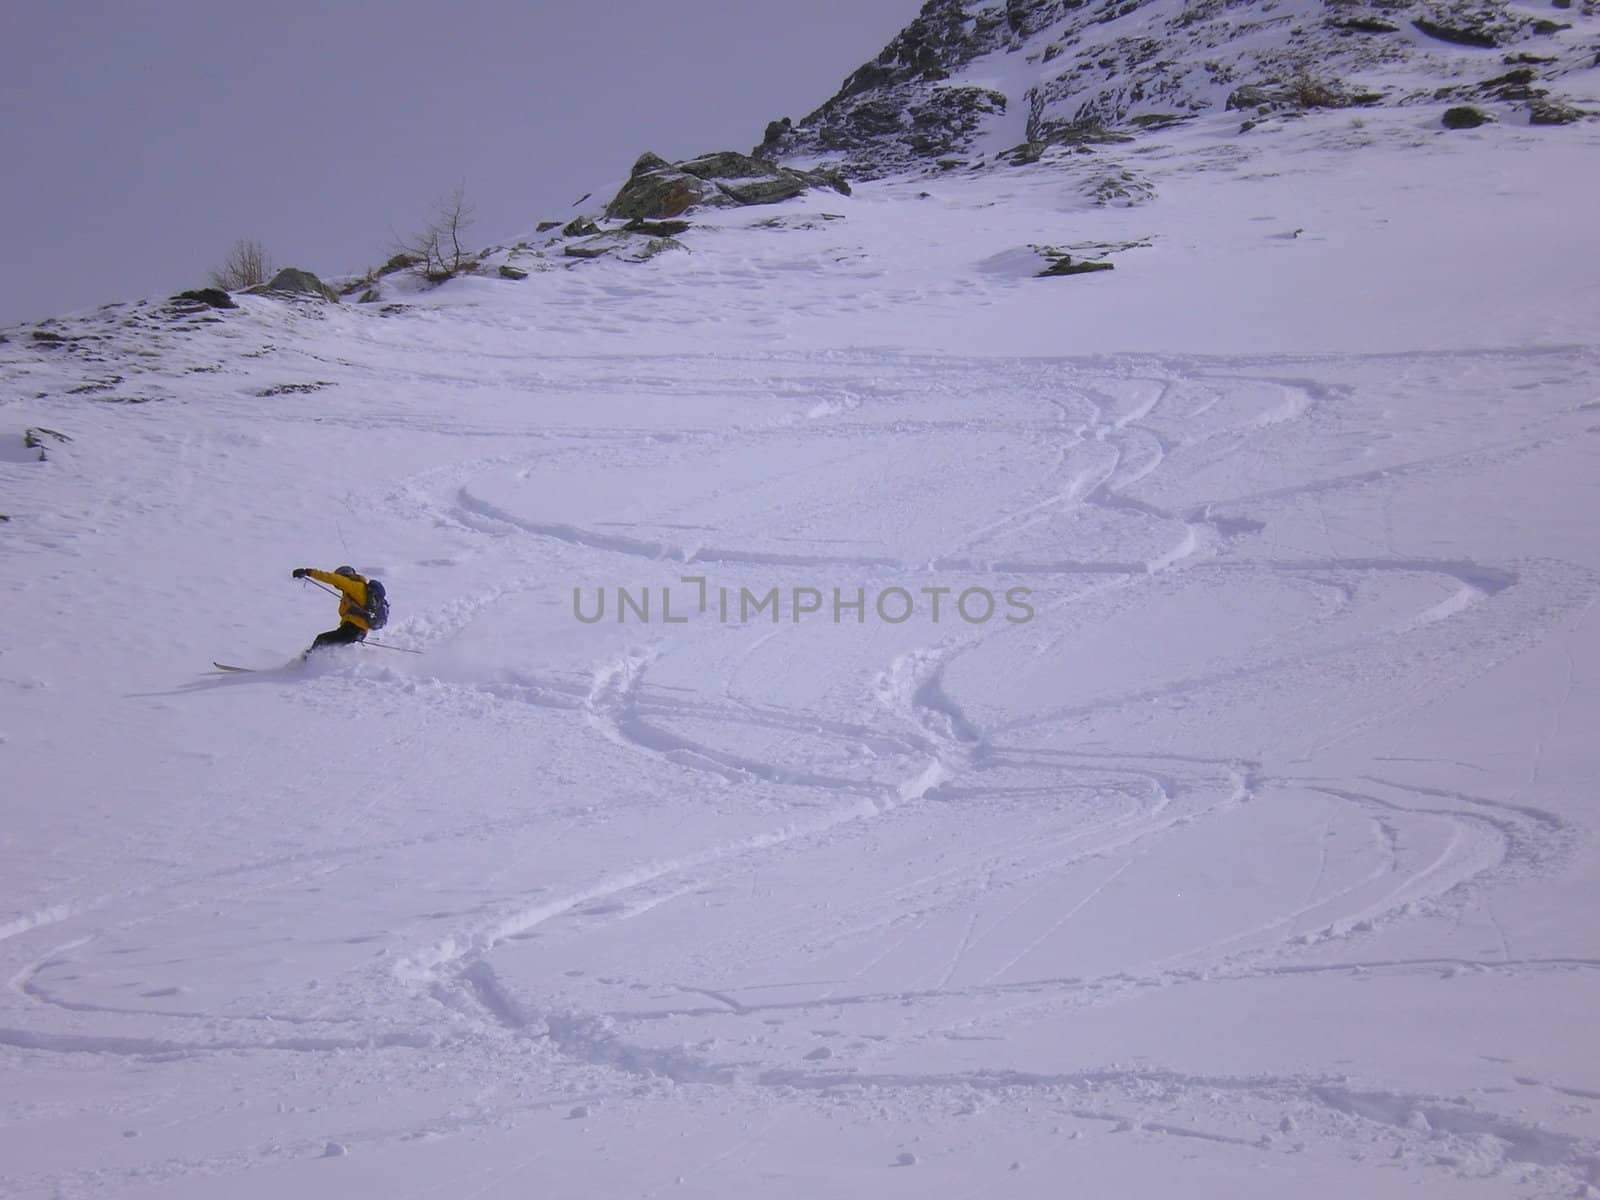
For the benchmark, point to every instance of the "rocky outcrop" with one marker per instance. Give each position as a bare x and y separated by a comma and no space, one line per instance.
623,245
1464,116
294,283
655,190
1119,188
1479,26
1076,73
207,298
1298,94
657,228
38,438
658,190
1553,112
901,106
1063,263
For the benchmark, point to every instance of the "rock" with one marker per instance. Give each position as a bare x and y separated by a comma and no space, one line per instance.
646,163
1464,116
948,120
96,386
815,221
906,1159
579,227
368,296
629,247
658,194
1519,77
580,1112
1120,189
772,190
1024,18
1251,95
1302,92
1157,120
728,164
509,272
1459,34
1024,155
874,116
654,247
398,263
1362,25
1074,133
335,1150
819,1054
1066,266
1551,112
827,177
294,389
658,191
292,281
211,297
34,438
656,228
1513,86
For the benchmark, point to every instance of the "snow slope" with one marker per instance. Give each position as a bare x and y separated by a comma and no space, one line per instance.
1261,858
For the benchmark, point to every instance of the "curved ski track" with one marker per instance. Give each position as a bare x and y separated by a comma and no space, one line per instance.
1117,428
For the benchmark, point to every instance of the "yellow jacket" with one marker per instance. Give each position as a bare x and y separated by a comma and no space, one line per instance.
353,601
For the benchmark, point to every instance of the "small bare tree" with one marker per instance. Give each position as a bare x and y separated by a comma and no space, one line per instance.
247,265
436,249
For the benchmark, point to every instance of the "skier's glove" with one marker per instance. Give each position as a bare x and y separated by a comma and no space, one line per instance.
298,573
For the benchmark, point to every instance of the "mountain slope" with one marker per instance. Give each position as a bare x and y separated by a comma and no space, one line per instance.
1258,858
969,83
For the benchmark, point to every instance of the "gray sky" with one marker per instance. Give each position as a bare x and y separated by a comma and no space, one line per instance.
141,139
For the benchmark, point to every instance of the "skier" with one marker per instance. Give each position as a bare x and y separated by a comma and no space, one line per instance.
359,605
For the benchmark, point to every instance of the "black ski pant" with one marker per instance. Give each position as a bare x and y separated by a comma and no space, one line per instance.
346,633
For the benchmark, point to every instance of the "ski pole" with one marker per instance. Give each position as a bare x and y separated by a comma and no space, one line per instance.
387,646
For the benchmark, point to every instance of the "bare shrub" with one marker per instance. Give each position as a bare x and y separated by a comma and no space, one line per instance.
1308,91
247,265
436,249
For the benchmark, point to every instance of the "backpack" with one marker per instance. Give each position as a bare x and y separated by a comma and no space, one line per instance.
377,611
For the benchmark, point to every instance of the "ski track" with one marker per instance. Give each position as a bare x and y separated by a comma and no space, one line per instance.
912,691
931,752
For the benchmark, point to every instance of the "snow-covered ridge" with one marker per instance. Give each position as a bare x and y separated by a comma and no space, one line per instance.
968,82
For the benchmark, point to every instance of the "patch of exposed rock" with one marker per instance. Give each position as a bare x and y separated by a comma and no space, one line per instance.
1005,80
658,190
